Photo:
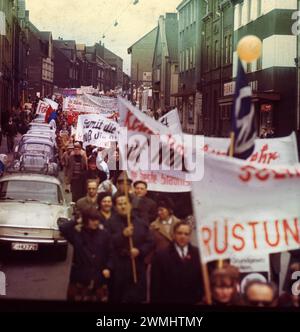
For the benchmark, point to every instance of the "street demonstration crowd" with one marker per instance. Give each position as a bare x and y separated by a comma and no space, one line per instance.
150,260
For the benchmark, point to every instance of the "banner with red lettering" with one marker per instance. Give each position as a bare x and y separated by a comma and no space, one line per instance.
161,182
273,151
244,208
83,105
42,107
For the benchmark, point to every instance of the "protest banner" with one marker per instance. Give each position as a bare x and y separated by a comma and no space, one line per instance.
52,103
83,105
42,107
106,104
273,151
147,145
94,129
161,182
244,208
172,121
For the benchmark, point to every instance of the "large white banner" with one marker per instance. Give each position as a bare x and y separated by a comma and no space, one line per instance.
272,151
94,129
244,208
171,120
82,104
148,145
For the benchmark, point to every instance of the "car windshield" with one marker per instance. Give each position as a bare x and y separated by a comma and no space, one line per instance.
35,148
44,192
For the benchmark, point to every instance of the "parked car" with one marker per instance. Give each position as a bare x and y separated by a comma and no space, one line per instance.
37,125
36,155
32,139
30,206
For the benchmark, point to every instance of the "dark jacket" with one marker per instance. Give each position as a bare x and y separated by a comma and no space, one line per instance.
70,168
146,208
11,129
176,280
124,290
92,253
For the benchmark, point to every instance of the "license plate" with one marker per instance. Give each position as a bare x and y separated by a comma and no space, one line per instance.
24,246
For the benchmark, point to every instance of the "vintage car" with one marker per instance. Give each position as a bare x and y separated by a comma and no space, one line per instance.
33,138
36,155
40,132
40,118
30,207
45,126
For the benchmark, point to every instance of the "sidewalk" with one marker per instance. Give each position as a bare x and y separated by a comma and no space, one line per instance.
3,147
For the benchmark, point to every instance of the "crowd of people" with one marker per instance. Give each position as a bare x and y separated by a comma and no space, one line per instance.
134,247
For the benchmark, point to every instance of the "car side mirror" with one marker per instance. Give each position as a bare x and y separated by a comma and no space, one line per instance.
72,204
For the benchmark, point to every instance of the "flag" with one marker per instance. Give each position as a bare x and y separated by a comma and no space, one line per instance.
243,117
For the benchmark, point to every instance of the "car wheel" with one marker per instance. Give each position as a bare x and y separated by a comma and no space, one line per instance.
61,253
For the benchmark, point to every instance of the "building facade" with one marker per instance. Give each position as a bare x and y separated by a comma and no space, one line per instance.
165,63
273,77
189,96
6,57
40,62
142,53
217,60
66,66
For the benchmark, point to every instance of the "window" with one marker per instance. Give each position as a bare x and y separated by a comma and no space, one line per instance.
240,10
190,109
226,58
249,10
194,48
207,57
191,58
259,63
187,61
230,48
259,8
249,67
216,55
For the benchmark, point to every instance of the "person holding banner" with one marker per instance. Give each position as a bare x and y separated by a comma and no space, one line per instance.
176,273
124,287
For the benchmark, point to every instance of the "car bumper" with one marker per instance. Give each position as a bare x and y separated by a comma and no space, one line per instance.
9,239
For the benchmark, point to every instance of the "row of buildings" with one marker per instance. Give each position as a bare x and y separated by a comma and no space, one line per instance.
190,62
33,64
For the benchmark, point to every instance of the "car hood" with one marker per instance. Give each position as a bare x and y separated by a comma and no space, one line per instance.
31,214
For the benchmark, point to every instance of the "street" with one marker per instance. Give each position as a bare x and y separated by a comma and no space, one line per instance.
33,276
36,277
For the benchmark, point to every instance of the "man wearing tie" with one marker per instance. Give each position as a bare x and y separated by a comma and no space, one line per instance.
176,272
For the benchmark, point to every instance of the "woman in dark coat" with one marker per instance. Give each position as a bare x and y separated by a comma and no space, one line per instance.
92,260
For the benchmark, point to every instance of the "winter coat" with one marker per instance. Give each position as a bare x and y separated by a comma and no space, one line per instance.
175,279
124,290
92,253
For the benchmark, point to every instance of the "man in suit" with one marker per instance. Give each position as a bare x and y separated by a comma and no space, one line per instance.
124,290
145,206
176,272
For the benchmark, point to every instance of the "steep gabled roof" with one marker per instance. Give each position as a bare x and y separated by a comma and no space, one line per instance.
129,50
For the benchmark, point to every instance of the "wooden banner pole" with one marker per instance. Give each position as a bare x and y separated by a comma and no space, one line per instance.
129,224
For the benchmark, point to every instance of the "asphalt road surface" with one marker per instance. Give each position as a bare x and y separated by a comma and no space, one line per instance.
29,276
